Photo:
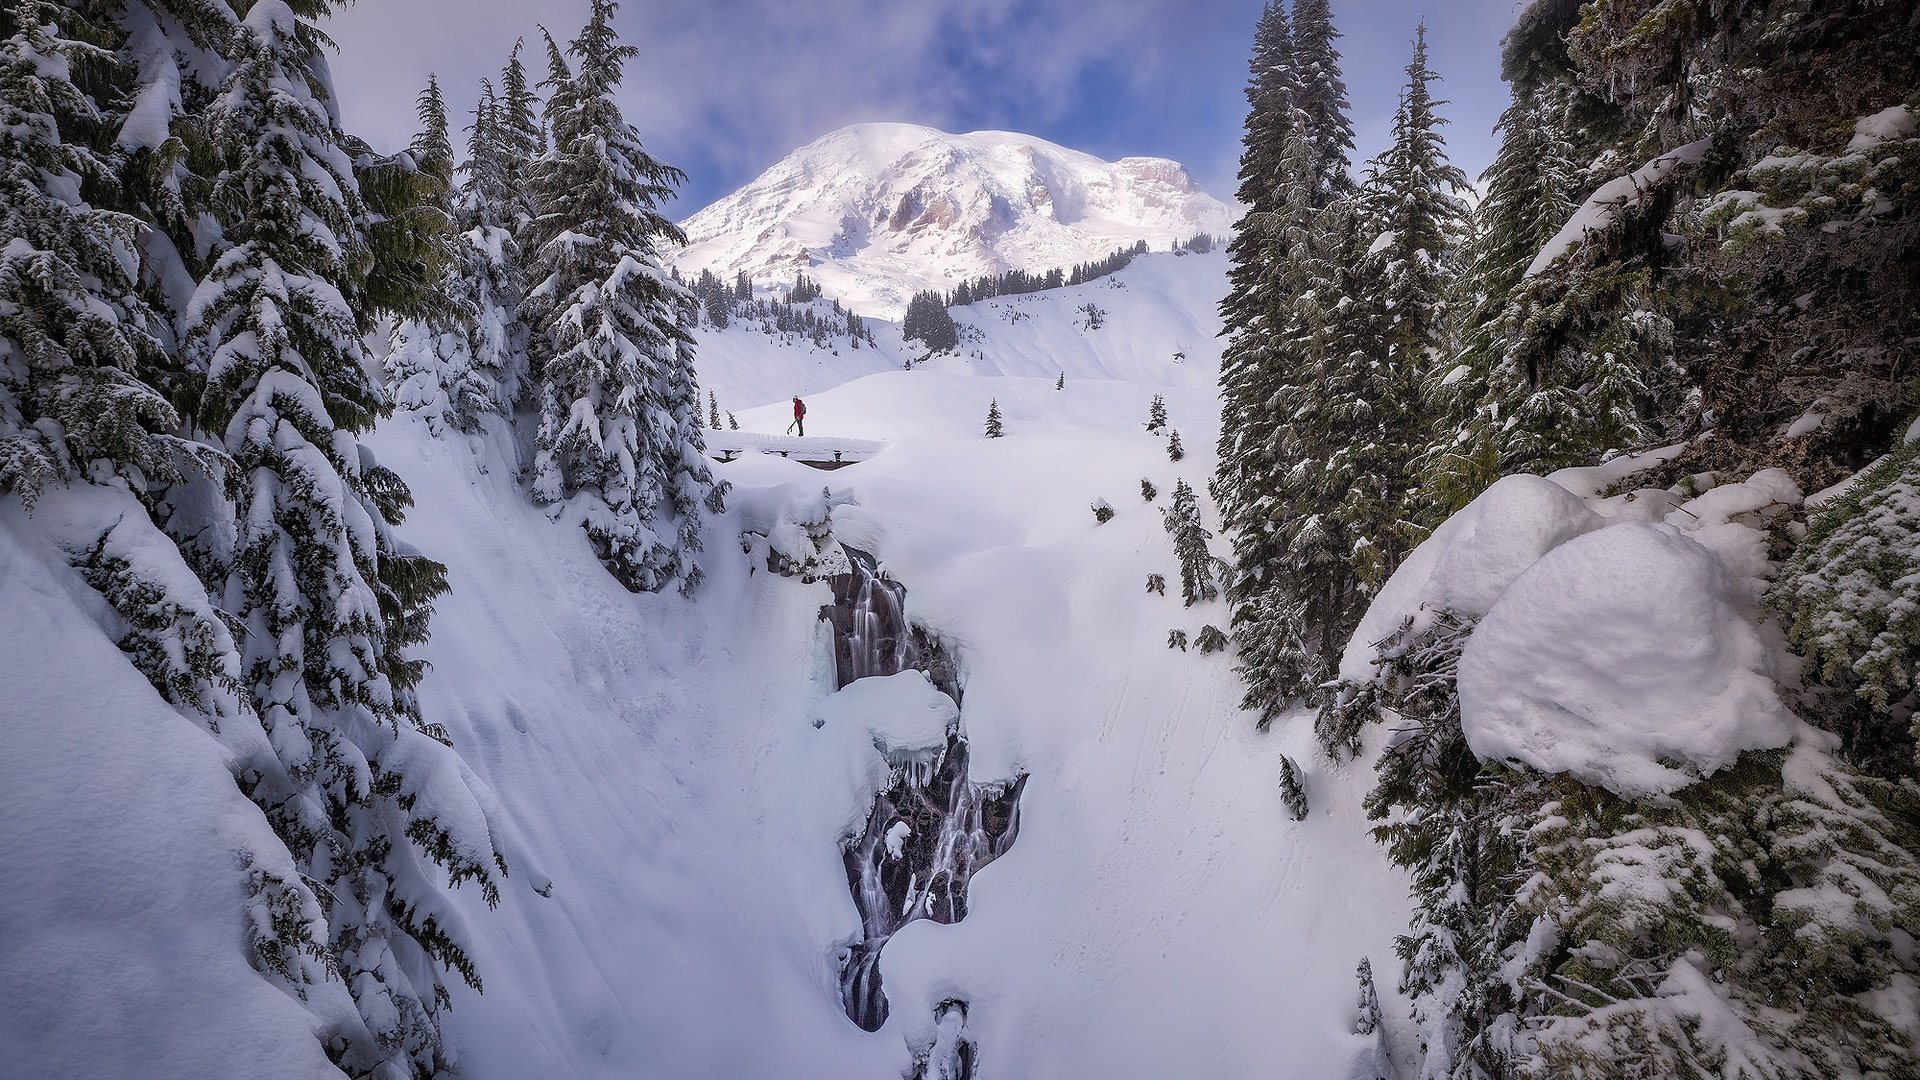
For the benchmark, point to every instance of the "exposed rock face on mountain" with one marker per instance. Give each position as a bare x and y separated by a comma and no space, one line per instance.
876,211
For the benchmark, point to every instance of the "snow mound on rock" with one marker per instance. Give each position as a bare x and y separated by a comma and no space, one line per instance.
1627,657
1471,559
902,712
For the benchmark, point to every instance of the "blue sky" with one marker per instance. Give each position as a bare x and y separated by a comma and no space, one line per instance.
725,88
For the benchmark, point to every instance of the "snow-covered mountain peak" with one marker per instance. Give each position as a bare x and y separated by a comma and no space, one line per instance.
877,211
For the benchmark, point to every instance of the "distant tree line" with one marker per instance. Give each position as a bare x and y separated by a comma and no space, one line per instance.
722,304
1019,282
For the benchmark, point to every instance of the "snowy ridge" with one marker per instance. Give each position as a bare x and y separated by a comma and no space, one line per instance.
876,212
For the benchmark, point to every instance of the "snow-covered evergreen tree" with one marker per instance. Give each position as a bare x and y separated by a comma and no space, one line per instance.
1252,309
75,334
1529,192
495,205
619,414
431,363
995,429
1850,599
1396,329
1157,414
1293,793
519,140
1466,849
1175,451
1369,1022
1367,1018
928,322
1420,222
1286,454
212,137
1323,416
1320,96
329,597
1182,521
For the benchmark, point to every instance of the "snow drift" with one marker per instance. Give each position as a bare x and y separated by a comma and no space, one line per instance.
1627,657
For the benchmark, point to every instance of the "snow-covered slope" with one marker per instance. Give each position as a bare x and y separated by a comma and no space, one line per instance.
1157,329
875,212
658,762
122,937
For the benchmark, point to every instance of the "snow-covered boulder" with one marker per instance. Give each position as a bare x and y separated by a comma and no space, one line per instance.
1470,560
1627,657
788,529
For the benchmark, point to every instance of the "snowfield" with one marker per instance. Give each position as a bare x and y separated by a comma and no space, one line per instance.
1158,330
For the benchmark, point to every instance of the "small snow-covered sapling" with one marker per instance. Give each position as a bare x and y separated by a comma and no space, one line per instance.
1157,583
1147,490
1177,639
1211,640
994,428
1292,791
1367,1017
1102,511
1174,450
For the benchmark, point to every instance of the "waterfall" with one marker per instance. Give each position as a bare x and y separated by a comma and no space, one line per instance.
871,634
931,828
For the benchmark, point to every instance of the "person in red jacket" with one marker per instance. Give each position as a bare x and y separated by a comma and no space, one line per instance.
799,415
